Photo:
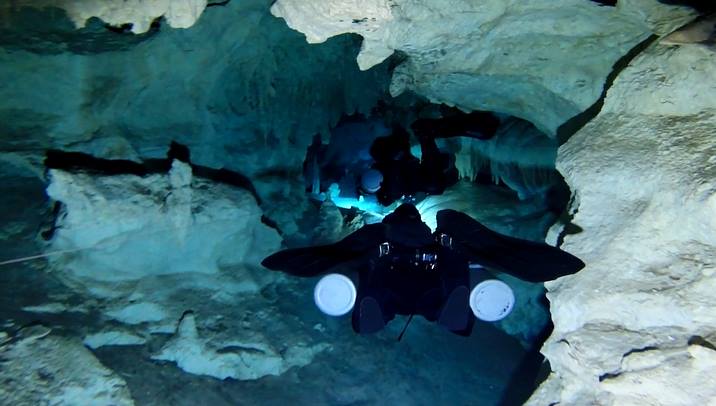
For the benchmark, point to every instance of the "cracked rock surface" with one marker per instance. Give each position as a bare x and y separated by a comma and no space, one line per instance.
39,367
537,60
644,172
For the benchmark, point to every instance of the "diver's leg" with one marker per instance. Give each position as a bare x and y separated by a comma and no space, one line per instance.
373,311
373,306
437,168
430,304
455,280
368,317
390,189
455,313
467,331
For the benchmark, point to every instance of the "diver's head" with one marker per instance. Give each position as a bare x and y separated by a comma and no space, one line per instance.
405,213
371,180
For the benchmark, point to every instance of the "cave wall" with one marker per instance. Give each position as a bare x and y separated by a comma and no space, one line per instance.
239,88
139,13
636,320
519,156
638,324
534,60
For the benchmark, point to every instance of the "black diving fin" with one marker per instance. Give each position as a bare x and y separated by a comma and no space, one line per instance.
313,261
527,260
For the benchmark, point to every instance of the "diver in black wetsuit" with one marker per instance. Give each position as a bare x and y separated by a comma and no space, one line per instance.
403,268
397,165
437,168
477,124
405,175
412,273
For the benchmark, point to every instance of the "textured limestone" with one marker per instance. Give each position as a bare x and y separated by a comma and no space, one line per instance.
95,341
238,360
538,60
519,156
46,369
637,325
239,88
247,91
137,313
139,13
661,17
148,249
681,376
320,20
55,308
701,31
127,227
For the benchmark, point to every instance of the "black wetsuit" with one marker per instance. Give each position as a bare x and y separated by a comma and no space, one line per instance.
437,168
405,175
404,268
477,124
412,272
397,165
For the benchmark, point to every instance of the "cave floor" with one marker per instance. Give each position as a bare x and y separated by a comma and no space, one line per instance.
429,366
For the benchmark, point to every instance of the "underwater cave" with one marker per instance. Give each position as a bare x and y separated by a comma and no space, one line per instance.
163,161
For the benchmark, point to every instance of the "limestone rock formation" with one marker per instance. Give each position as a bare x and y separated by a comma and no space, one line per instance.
701,31
236,360
148,249
138,13
38,368
241,89
519,156
98,340
535,60
127,227
637,325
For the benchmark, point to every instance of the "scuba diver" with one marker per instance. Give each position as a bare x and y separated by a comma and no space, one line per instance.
437,168
398,167
404,268
481,125
404,175
388,170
